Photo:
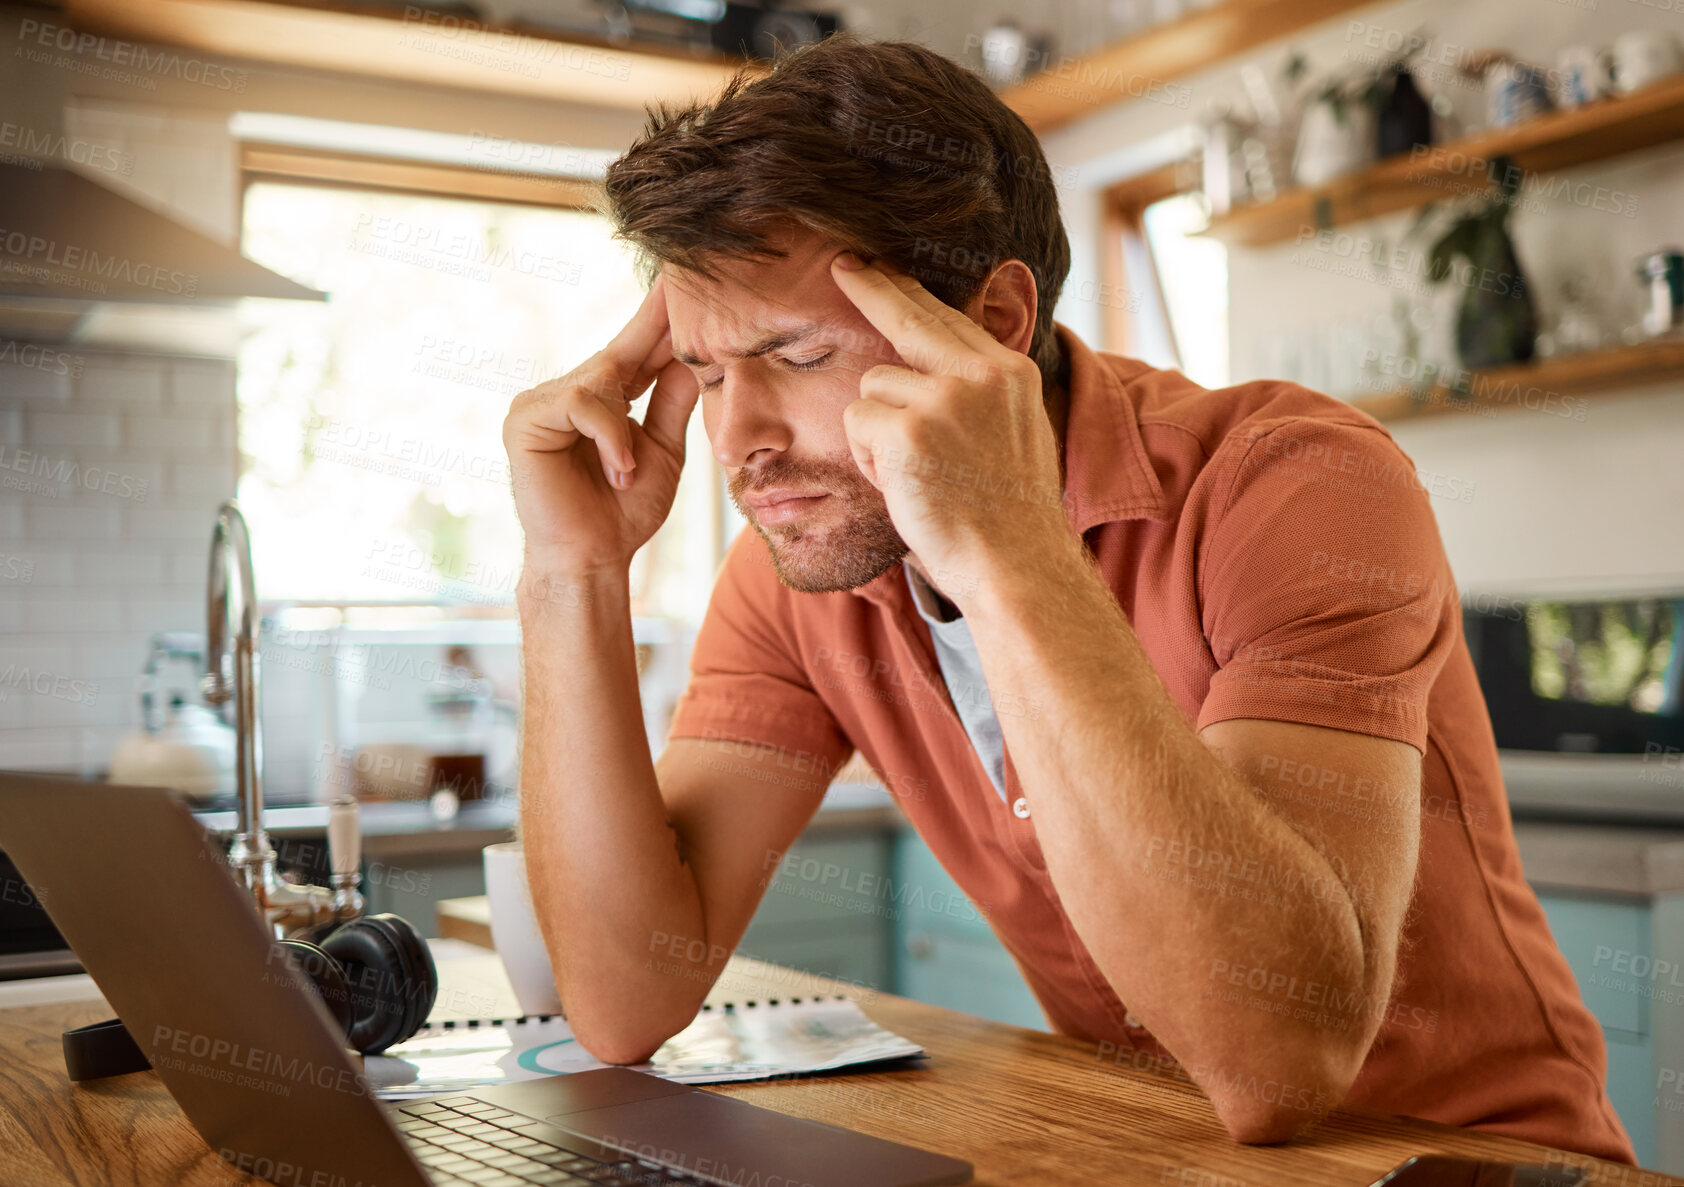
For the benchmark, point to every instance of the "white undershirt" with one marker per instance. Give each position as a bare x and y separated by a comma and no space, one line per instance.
961,669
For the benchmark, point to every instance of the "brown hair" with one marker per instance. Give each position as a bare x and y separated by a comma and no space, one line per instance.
884,146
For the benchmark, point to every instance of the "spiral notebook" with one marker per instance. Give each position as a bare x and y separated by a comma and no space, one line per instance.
732,1041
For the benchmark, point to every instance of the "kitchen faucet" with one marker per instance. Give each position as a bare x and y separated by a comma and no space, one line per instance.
231,673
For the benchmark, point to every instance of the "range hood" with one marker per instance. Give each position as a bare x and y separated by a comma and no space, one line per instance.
82,264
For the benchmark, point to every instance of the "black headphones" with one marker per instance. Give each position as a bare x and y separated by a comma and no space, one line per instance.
376,976
374,973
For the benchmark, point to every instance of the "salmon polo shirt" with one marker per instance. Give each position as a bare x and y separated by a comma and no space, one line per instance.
1276,554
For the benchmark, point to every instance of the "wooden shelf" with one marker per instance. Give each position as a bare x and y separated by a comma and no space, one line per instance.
1555,386
1555,141
514,62
1126,69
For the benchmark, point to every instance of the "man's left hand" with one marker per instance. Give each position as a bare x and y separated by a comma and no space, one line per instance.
957,440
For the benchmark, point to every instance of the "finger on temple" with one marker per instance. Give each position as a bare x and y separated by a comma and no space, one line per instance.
926,343
640,338
676,391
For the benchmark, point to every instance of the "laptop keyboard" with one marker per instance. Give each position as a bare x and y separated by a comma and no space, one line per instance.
464,1142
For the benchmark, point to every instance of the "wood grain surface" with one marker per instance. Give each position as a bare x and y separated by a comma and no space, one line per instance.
1023,1106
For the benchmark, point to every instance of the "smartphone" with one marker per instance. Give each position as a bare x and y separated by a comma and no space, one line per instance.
1435,1170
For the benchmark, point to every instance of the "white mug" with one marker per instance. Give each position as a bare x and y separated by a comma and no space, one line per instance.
1583,74
514,930
1641,58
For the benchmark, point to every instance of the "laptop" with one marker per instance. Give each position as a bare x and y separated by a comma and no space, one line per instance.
145,898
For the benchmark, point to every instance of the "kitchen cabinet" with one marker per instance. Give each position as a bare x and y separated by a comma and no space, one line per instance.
871,905
1614,898
1588,929
824,909
945,952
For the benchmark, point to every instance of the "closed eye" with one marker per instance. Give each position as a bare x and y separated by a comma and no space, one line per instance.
795,364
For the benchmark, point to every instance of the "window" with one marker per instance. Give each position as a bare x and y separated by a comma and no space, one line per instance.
1192,274
372,468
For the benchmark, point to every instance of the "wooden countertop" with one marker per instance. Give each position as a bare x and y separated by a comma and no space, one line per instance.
1023,1106
1602,859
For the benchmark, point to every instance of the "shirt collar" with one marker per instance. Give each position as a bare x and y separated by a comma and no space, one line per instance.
1107,475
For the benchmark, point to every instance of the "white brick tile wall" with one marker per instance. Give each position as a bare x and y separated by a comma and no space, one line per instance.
37,565
188,568
72,614
138,384
93,525
155,523
151,611
48,430
178,434
39,749
95,744
116,658
212,479
105,568
81,702
40,383
196,386
101,481
125,568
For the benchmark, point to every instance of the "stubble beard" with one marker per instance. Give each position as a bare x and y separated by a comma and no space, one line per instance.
856,542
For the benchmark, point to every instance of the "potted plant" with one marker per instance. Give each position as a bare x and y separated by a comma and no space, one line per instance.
1354,117
1496,321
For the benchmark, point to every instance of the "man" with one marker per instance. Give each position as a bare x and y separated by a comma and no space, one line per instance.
1177,674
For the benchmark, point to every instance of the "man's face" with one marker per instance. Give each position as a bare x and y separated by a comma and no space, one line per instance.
779,351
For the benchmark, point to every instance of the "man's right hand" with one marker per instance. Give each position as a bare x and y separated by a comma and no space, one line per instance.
591,484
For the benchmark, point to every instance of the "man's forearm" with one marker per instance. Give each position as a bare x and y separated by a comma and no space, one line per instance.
1124,797
602,859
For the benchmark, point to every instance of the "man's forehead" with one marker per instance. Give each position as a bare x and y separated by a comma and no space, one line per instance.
711,326
747,339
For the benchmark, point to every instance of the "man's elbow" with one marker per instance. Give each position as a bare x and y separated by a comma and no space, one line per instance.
617,1029
1264,1106
617,1044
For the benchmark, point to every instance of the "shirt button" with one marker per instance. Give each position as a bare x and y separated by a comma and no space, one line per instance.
1020,808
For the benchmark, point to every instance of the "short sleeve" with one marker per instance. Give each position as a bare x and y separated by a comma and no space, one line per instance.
1326,597
747,682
